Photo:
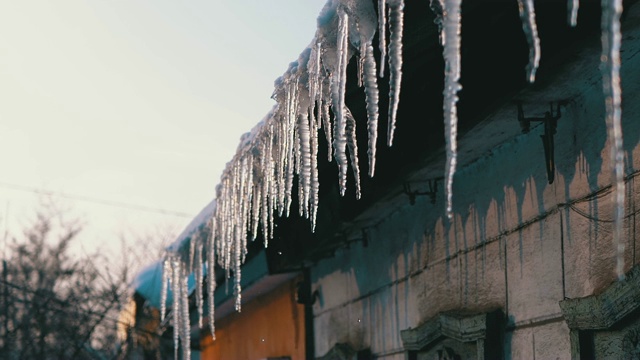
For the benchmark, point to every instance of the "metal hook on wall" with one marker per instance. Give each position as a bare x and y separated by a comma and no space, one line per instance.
550,121
431,193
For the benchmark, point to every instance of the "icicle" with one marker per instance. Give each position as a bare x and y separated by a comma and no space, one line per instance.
573,6
318,106
270,219
291,154
314,77
185,332
199,276
305,166
528,17
360,68
382,24
298,164
238,287
226,223
319,97
237,219
255,208
610,67
279,160
192,254
371,97
281,164
287,173
265,213
352,144
237,272
338,84
298,157
175,287
315,184
166,276
451,39
247,198
305,154
396,24
211,277
328,131
287,161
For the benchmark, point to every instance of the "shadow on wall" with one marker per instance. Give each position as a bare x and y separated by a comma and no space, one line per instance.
417,263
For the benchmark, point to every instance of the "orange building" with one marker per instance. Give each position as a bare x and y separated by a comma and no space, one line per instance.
270,326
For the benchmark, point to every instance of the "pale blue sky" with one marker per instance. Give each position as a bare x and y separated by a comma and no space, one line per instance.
135,101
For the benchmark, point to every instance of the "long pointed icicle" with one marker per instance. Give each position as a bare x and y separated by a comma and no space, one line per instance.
528,17
313,69
192,255
175,287
315,184
396,25
360,64
211,278
166,276
371,97
185,325
280,164
271,226
301,197
305,168
264,215
237,270
338,84
318,86
451,37
255,210
326,123
290,155
352,144
199,275
610,66
573,6
382,33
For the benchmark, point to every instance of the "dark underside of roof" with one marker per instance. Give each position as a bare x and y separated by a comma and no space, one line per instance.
494,57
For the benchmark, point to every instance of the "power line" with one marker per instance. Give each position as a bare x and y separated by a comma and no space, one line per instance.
96,200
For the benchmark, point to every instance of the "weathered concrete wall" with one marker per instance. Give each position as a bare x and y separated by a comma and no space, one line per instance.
516,242
271,325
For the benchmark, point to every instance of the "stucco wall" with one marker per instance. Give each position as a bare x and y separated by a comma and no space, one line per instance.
271,325
514,243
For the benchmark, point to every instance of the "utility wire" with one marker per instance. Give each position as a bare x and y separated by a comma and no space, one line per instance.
597,195
96,200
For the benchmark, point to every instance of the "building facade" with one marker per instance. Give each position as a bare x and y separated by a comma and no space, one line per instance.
526,266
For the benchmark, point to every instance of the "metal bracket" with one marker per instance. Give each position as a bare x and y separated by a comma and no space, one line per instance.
304,295
550,121
433,190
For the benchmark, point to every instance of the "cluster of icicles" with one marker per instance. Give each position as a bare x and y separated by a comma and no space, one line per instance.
258,182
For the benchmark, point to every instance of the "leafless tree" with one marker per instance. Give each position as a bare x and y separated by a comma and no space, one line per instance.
55,305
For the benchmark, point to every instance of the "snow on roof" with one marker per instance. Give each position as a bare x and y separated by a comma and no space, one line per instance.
148,283
194,228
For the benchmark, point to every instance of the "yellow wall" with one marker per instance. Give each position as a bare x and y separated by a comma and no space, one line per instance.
271,325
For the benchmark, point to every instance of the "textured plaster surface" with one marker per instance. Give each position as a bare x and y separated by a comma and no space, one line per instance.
514,242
